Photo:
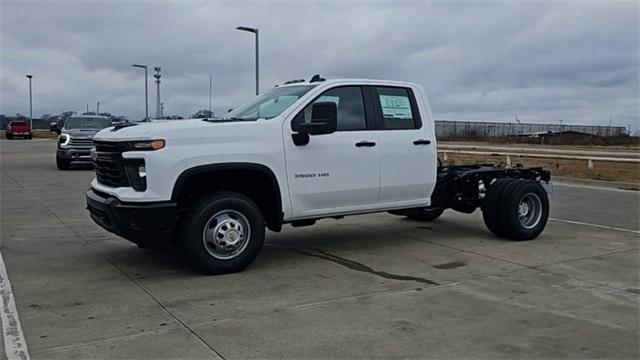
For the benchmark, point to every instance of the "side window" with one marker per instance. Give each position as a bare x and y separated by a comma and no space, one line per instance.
397,112
351,115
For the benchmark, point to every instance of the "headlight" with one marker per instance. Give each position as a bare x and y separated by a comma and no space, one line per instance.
63,139
148,145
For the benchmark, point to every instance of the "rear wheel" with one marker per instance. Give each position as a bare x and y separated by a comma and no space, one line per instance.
223,233
524,210
63,164
9,136
30,136
491,205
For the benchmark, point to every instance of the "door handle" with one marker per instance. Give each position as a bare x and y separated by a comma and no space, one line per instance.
365,143
422,142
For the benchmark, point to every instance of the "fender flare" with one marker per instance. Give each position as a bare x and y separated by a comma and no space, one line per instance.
186,174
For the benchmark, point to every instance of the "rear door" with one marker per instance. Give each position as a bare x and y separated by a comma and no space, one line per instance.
408,159
335,172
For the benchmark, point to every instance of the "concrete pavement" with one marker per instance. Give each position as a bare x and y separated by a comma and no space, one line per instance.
361,287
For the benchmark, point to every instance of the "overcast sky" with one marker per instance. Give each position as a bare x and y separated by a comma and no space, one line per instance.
545,61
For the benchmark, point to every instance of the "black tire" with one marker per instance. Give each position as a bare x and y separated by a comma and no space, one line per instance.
9,136
398,212
517,225
63,164
425,213
491,205
201,215
29,136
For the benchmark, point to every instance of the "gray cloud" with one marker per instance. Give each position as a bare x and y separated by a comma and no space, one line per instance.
576,61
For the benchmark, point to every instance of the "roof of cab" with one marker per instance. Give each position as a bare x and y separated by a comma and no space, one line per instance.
349,81
89,116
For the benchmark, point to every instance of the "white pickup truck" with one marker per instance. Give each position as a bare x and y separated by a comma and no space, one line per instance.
300,152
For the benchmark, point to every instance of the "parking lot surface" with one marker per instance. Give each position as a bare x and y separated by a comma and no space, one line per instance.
361,287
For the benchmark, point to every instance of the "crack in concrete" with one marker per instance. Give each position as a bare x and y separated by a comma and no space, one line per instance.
525,266
357,266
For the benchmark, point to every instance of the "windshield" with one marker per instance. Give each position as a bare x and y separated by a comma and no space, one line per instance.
270,104
18,123
76,123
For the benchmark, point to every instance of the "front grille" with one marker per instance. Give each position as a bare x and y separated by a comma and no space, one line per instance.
109,163
81,142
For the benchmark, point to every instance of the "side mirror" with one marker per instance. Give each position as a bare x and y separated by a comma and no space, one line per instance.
324,120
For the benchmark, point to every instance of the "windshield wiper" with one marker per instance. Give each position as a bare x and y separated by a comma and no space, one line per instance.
122,126
228,119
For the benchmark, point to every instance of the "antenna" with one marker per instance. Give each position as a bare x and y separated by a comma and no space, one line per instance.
316,78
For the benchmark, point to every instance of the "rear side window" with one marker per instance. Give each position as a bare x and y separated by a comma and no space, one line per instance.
398,108
350,103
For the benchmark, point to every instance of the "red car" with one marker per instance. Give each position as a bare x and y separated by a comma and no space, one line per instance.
19,128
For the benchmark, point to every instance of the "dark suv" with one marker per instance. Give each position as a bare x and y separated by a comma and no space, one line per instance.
76,139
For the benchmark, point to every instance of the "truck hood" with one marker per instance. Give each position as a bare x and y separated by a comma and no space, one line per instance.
168,129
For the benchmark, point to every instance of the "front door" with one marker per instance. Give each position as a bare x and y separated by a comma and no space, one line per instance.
335,172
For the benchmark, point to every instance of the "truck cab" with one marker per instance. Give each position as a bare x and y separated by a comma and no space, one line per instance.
75,139
18,128
295,154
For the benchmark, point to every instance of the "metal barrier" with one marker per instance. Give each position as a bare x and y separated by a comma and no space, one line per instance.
539,150
509,155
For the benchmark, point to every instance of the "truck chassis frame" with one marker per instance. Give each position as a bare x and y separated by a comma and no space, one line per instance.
463,187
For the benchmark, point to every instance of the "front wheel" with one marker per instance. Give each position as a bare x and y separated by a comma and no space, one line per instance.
63,164
425,214
420,214
223,233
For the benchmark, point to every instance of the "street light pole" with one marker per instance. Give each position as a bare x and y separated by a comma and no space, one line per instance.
146,90
255,31
157,76
30,104
210,92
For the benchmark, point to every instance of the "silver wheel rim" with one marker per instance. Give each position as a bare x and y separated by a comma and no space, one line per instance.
530,210
226,234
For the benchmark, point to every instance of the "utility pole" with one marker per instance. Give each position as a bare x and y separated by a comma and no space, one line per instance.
210,92
30,103
161,110
146,90
87,108
157,76
98,108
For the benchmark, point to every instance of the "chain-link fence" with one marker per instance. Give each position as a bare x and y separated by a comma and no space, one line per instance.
477,129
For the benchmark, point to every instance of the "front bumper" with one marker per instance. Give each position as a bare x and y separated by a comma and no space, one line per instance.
75,154
144,223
